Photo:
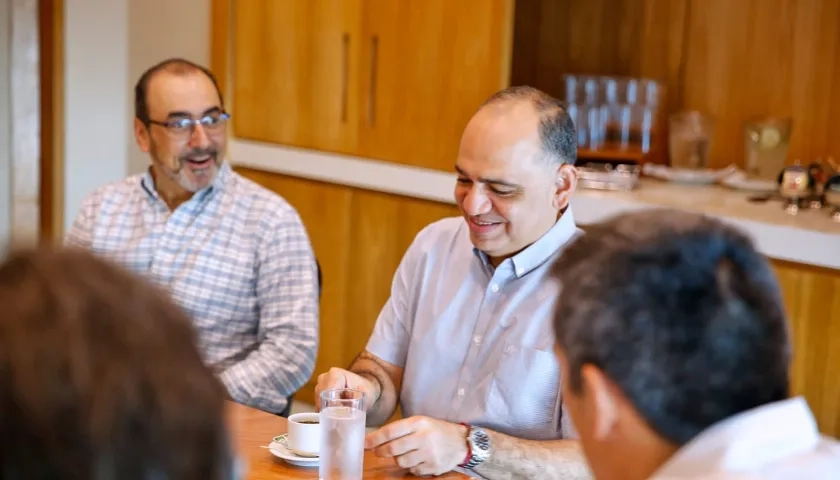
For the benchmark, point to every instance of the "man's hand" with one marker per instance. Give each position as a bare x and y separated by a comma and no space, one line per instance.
423,445
340,378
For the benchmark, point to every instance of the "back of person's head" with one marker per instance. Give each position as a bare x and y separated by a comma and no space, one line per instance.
672,316
101,378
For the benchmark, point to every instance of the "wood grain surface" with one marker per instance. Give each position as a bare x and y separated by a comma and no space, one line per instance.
253,429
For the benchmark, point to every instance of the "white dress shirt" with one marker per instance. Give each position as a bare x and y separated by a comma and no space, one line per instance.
772,442
477,342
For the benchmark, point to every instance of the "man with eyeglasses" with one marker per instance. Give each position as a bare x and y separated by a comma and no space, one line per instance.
233,254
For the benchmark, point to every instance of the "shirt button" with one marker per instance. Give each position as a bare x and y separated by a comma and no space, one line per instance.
494,288
520,271
460,392
477,339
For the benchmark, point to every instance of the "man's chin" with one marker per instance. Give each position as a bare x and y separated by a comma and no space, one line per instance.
486,245
196,184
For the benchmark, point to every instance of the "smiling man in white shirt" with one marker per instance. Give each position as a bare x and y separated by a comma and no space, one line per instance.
675,351
464,344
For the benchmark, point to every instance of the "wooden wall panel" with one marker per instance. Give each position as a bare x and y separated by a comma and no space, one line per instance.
812,298
765,57
433,64
641,38
295,69
382,79
733,59
51,65
220,23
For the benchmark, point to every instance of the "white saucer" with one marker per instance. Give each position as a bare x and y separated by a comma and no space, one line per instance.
740,182
279,449
696,176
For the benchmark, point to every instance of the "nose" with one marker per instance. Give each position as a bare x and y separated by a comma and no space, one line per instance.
198,137
476,202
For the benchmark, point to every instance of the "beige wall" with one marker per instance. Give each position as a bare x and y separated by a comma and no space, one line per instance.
5,123
96,123
108,44
26,122
19,121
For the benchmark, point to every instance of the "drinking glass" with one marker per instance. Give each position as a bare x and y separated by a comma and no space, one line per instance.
766,142
689,138
342,449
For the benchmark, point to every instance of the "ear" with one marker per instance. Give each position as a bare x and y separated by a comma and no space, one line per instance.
141,135
565,184
603,401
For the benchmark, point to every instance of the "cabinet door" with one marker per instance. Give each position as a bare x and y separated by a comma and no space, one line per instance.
426,66
295,72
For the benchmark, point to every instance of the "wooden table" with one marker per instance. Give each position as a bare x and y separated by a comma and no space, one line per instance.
253,429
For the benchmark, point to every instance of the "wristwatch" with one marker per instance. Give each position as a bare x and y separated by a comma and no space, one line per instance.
479,447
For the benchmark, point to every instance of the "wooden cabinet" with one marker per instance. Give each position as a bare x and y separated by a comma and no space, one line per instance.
295,72
392,80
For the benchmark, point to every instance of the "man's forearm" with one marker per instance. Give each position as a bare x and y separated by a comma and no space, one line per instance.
515,458
264,382
385,400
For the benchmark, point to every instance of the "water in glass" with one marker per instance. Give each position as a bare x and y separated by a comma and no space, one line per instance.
342,449
342,443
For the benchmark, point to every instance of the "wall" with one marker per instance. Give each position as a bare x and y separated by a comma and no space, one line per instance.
26,119
104,53
5,123
96,124
733,59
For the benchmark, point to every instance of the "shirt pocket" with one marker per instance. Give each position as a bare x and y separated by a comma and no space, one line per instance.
525,390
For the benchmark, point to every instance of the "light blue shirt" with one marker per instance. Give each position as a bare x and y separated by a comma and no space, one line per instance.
237,258
477,343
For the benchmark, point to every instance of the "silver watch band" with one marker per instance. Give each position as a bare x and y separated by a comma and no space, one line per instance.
480,445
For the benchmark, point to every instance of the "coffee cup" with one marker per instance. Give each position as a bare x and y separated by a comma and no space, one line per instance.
304,436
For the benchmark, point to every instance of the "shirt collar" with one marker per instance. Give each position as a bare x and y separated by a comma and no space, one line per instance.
147,182
534,255
747,441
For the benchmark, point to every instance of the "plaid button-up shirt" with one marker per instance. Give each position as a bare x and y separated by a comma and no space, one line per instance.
237,258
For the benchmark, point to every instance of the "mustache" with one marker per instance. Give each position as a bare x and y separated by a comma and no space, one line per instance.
200,152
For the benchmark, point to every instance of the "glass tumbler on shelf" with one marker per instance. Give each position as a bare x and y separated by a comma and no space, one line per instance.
611,107
343,420
582,95
766,142
689,139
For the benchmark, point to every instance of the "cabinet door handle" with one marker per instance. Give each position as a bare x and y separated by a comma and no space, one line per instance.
345,65
374,51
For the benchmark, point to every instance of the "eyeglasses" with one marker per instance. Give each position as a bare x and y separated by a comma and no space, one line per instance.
183,127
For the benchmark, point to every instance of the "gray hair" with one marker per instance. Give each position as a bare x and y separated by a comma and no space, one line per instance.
557,130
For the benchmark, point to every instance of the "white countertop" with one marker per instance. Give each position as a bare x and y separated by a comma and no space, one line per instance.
810,237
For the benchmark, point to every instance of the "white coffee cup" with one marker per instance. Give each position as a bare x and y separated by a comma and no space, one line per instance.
304,436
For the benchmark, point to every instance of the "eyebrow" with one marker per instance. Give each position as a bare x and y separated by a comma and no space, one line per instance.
488,180
179,113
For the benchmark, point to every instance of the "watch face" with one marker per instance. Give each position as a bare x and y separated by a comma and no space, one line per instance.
481,445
